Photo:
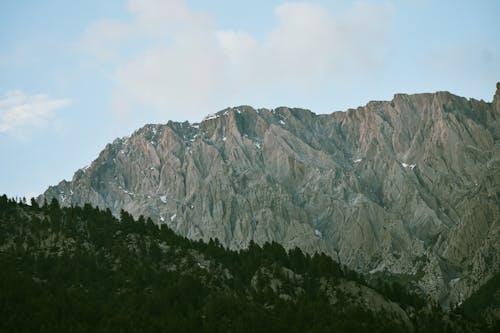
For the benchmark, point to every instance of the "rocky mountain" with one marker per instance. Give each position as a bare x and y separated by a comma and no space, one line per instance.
408,187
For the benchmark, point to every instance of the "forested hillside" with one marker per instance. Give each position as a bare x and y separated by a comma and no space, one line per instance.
80,269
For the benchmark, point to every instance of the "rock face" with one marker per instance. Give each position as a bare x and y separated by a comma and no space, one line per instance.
409,186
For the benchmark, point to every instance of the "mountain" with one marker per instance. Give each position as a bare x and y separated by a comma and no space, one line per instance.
80,269
408,187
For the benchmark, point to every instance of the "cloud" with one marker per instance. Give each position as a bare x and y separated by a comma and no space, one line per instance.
19,110
188,67
159,17
311,45
172,79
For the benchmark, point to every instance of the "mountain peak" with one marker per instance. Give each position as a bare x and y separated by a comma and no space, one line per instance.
496,99
407,186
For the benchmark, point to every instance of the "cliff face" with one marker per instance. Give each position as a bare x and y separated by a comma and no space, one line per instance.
409,186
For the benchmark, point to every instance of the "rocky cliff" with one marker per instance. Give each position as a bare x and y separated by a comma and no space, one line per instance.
409,186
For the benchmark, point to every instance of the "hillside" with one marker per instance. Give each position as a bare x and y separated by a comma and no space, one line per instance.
81,269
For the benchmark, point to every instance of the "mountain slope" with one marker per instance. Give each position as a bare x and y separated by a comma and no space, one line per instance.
409,186
81,269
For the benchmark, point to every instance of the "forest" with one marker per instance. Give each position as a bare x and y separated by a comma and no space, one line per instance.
81,269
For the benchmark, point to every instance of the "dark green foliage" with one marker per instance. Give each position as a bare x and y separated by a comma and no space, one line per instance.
80,269
483,304
396,292
34,204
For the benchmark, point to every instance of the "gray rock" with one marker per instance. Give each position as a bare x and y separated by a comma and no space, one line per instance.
409,186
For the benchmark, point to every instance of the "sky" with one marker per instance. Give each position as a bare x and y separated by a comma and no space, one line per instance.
75,75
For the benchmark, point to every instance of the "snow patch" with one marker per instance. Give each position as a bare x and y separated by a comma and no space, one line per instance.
318,233
173,217
163,198
282,122
358,160
379,268
211,116
224,139
257,145
411,166
162,219
453,282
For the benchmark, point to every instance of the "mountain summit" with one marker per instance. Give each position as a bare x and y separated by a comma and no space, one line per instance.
408,187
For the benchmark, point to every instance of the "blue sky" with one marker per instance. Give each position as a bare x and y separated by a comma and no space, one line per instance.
74,75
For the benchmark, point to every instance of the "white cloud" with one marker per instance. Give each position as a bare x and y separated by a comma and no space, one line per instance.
188,67
172,79
311,45
19,110
158,17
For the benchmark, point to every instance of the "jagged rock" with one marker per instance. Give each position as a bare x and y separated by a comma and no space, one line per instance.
409,186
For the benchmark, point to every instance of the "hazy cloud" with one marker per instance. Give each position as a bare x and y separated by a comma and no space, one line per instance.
19,110
311,45
159,17
189,66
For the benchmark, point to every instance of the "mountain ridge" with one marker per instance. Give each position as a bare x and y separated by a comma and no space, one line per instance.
410,186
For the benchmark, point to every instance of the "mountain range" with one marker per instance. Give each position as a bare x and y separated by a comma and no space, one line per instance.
407,188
